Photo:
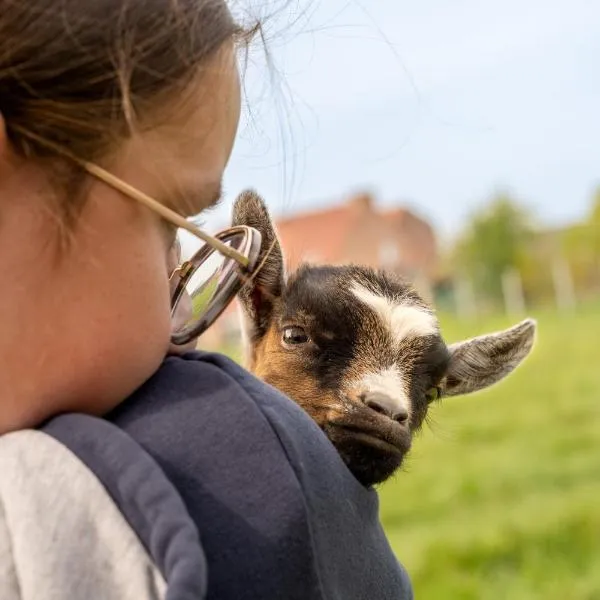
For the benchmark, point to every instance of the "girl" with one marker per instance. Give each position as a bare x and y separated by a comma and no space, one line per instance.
125,472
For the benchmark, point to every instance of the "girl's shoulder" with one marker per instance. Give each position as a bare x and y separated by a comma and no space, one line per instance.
64,534
205,483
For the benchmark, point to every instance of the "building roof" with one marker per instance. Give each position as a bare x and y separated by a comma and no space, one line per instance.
321,235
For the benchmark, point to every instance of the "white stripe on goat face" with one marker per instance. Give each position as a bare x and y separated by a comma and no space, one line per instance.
403,322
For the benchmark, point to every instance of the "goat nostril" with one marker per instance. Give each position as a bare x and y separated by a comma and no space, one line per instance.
401,417
385,405
376,406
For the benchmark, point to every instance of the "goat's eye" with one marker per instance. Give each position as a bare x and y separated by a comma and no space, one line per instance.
294,335
434,393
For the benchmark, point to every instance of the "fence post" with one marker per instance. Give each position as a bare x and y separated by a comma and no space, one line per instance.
512,289
423,285
564,289
466,306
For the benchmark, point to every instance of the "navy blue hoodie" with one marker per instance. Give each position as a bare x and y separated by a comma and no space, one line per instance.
277,512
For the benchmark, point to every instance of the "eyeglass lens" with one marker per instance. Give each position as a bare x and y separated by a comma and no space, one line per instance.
206,285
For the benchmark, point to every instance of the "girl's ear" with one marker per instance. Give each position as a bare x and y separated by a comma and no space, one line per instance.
482,361
259,297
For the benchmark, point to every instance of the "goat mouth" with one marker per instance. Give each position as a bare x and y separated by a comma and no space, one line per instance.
375,441
372,450
393,439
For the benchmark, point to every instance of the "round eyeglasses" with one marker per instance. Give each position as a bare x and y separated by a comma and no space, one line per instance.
203,286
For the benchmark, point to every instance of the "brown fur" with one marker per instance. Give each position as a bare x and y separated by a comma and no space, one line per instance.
273,364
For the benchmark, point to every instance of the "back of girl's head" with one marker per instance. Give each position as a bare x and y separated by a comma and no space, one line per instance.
81,74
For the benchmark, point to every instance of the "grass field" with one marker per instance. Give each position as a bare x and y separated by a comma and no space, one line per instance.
501,496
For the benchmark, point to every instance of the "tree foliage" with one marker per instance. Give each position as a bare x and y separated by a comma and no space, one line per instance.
500,237
494,241
581,248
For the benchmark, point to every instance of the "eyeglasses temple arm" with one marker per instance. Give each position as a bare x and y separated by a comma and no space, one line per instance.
164,211
157,207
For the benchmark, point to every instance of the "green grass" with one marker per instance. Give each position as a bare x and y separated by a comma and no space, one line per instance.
202,299
500,498
501,495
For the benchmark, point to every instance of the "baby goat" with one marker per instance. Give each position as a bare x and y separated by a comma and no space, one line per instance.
359,350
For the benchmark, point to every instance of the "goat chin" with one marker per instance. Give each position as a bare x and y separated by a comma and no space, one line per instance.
371,454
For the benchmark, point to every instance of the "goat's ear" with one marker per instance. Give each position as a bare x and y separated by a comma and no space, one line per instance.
259,296
482,361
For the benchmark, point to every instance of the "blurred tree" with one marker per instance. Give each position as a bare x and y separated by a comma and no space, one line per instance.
495,240
581,249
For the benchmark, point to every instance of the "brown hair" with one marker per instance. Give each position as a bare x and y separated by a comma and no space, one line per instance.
78,75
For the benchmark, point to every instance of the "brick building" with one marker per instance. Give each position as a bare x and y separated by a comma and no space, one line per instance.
355,231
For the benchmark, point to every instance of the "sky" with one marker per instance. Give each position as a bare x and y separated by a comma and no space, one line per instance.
431,104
